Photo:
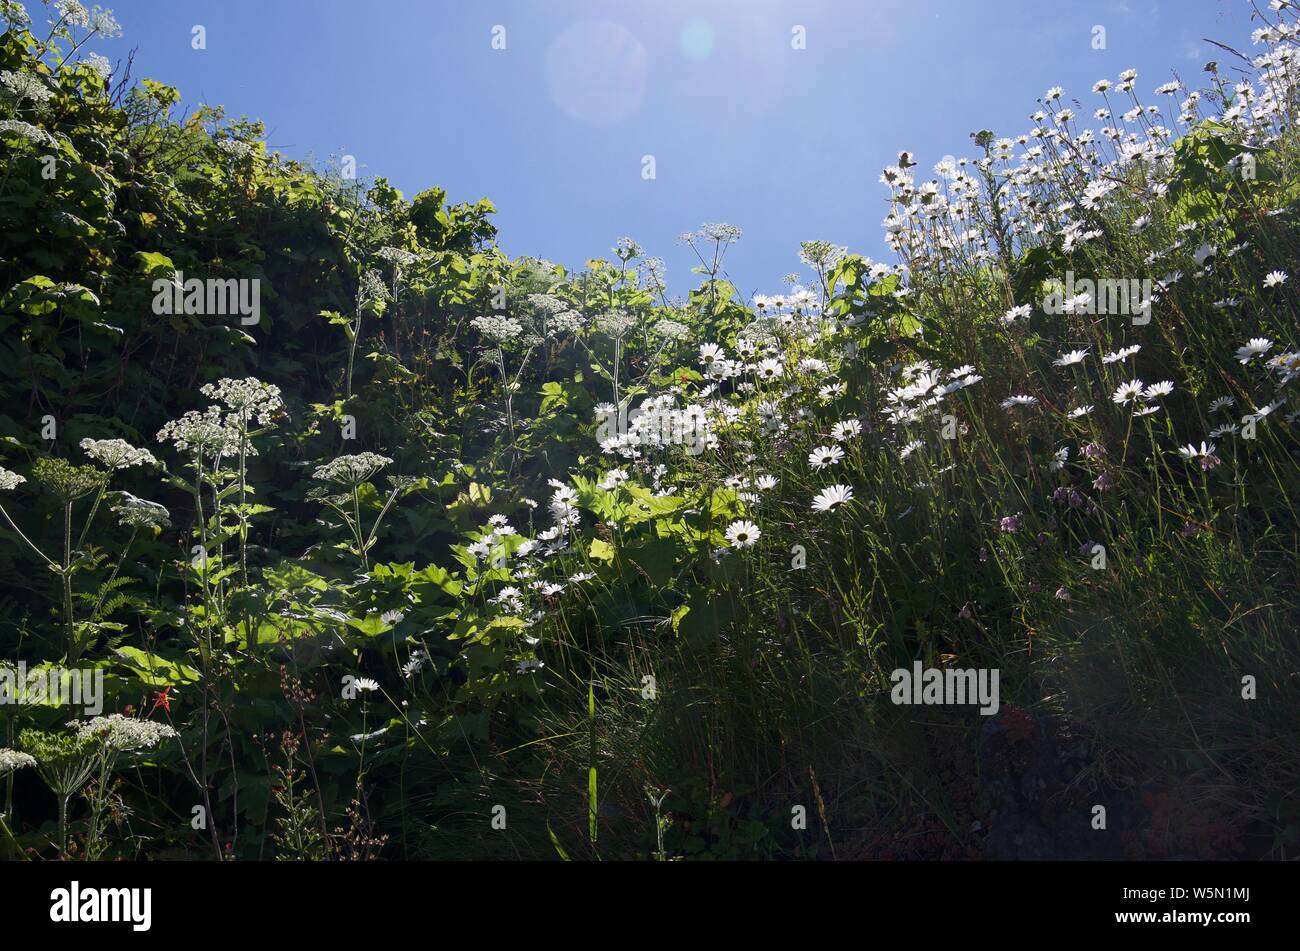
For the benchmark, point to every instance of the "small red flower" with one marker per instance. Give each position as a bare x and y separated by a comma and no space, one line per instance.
162,699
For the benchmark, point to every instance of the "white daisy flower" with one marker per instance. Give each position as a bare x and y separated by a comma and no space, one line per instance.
743,534
1192,451
1071,358
831,498
1122,354
825,456
1125,393
846,430
1255,347
613,479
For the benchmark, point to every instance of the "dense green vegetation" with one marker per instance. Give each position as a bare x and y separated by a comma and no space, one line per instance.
377,572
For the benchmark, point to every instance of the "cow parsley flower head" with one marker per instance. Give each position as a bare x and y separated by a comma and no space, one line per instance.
117,453
821,254
371,288
653,271
25,130
565,321
26,87
10,480
207,433
498,328
135,512
66,481
104,23
615,324
720,232
398,257
98,64
626,249
72,12
11,760
234,148
15,14
247,399
122,733
352,470
672,329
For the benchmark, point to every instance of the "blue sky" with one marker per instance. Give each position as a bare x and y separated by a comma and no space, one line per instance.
786,143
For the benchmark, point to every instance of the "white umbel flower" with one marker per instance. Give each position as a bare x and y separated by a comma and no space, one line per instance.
352,470
123,733
117,453
11,760
247,399
135,512
10,480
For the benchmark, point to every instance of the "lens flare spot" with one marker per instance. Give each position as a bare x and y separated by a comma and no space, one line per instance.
697,40
596,71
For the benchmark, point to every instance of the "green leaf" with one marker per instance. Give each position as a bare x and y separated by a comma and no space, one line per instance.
151,261
157,671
